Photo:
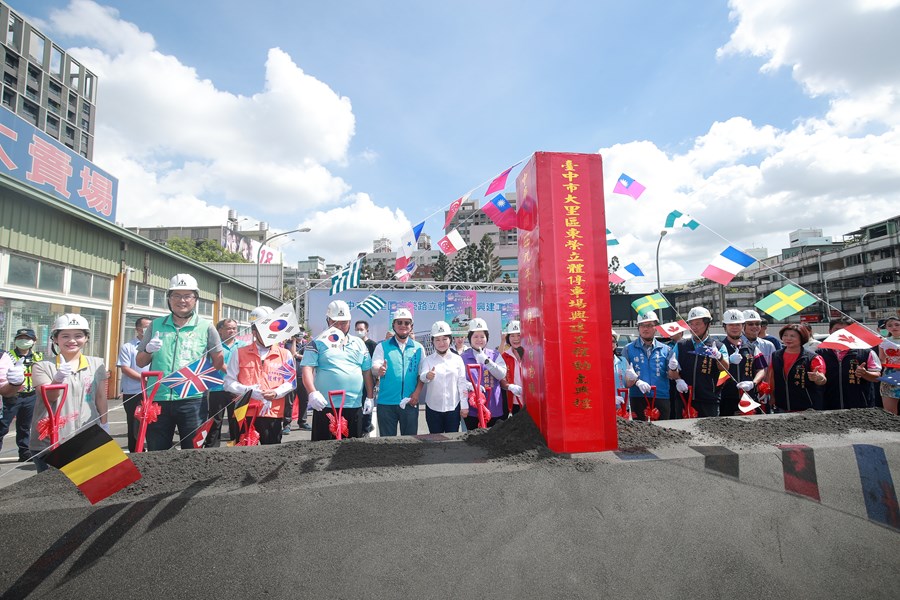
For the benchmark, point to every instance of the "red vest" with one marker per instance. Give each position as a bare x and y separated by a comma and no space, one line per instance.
267,373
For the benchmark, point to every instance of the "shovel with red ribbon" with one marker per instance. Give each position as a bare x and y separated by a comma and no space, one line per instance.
477,399
688,412
250,437
148,411
624,411
50,425
337,424
651,412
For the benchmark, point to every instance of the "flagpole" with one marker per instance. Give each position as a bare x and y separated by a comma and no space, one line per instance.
662,234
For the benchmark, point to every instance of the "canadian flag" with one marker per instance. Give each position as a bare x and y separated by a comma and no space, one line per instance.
748,405
451,243
853,337
670,329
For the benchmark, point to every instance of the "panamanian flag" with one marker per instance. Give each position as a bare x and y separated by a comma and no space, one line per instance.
198,377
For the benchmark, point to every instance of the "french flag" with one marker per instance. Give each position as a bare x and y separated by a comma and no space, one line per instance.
629,272
728,264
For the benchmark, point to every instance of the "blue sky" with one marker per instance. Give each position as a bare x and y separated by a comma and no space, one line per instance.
373,115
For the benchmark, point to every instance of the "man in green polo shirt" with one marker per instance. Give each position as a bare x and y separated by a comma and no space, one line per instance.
177,340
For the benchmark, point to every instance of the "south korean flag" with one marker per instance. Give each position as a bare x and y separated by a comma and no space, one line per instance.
281,325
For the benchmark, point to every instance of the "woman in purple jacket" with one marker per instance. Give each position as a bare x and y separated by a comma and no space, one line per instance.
493,373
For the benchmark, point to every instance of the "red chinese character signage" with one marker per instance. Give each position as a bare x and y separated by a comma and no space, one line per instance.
564,302
34,158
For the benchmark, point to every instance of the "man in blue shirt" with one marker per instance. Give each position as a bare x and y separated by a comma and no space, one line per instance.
336,361
697,362
396,361
648,362
132,386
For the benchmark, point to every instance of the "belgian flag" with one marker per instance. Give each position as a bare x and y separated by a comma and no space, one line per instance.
95,463
242,402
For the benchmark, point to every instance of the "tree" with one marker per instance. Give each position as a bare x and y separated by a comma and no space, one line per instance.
288,293
463,267
489,264
204,250
615,288
441,269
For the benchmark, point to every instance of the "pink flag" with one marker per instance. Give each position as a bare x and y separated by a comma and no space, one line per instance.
852,337
400,263
454,208
499,182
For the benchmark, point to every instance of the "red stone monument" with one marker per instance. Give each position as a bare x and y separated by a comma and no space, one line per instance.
564,301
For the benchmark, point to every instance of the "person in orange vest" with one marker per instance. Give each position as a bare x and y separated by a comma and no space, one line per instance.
269,373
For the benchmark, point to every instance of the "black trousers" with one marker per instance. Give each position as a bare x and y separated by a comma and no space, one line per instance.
320,423
130,402
216,402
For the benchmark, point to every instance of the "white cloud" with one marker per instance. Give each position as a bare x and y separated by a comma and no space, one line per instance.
181,146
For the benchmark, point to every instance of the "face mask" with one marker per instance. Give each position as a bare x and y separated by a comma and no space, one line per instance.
360,333
24,344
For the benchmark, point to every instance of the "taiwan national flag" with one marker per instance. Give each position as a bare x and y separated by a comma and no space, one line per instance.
629,271
501,212
628,186
727,264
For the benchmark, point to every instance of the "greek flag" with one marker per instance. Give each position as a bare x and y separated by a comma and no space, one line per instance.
371,305
346,279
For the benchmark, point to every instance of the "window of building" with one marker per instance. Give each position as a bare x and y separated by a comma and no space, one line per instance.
51,277
10,79
56,61
205,308
14,32
36,47
879,231
159,299
80,284
74,75
9,98
22,271
53,106
55,89
12,60
101,287
853,260
89,86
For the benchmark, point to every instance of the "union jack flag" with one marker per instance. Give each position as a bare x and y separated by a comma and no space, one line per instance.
288,372
194,379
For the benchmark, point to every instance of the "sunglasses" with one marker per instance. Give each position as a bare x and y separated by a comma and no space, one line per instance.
406,323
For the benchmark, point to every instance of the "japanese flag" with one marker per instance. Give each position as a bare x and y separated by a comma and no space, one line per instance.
748,405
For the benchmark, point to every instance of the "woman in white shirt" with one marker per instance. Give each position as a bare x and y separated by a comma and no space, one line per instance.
446,388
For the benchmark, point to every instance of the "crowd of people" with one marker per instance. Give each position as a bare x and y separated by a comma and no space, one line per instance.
466,382
743,371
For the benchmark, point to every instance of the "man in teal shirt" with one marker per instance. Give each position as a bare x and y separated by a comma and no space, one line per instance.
178,339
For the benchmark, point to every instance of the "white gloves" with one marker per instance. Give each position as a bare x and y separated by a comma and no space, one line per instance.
735,358
645,387
469,386
630,375
745,386
266,407
681,385
15,375
63,373
480,356
317,400
368,405
516,390
104,427
154,345
619,402
256,394
715,354
673,364
404,402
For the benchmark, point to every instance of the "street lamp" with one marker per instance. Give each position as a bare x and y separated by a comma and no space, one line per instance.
259,252
662,234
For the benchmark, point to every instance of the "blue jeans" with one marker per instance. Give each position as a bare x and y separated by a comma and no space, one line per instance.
390,415
184,414
21,409
442,422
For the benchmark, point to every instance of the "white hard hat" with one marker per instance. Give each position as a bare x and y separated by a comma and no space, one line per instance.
647,317
478,325
698,312
441,328
71,321
259,313
183,281
338,310
751,315
615,335
402,313
513,327
733,316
